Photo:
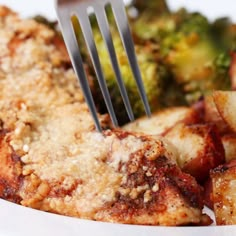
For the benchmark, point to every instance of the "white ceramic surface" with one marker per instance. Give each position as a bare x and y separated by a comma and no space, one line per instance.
16,220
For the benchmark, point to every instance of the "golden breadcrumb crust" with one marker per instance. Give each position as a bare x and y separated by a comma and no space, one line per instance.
53,159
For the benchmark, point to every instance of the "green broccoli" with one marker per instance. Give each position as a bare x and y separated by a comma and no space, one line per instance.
152,73
224,32
194,57
43,20
153,21
194,50
180,57
152,7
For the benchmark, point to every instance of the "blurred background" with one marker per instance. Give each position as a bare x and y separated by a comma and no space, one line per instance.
211,8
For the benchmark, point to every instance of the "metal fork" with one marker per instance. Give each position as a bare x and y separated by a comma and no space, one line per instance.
80,8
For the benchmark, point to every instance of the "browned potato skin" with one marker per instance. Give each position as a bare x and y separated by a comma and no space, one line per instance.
200,147
212,115
225,102
181,126
223,195
229,143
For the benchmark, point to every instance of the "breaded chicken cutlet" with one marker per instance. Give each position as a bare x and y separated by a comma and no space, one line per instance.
51,156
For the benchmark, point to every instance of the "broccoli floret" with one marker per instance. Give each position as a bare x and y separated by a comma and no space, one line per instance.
152,73
152,7
180,57
153,20
155,29
224,32
193,56
189,49
43,20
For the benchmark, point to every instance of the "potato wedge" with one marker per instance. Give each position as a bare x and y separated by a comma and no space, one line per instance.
224,194
200,148
225,102
162,121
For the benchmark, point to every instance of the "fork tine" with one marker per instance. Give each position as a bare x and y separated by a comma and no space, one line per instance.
73,50
106,34
126,37
88,35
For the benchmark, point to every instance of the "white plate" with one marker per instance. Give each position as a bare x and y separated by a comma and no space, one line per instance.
16,220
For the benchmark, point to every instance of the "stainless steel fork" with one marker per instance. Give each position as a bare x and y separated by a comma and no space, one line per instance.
81,9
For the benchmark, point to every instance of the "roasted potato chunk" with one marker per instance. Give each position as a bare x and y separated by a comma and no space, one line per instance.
212,115
229,143
200,148
199,145
162,121
224,195
225,103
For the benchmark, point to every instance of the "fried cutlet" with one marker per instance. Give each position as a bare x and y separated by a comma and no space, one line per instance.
54,160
